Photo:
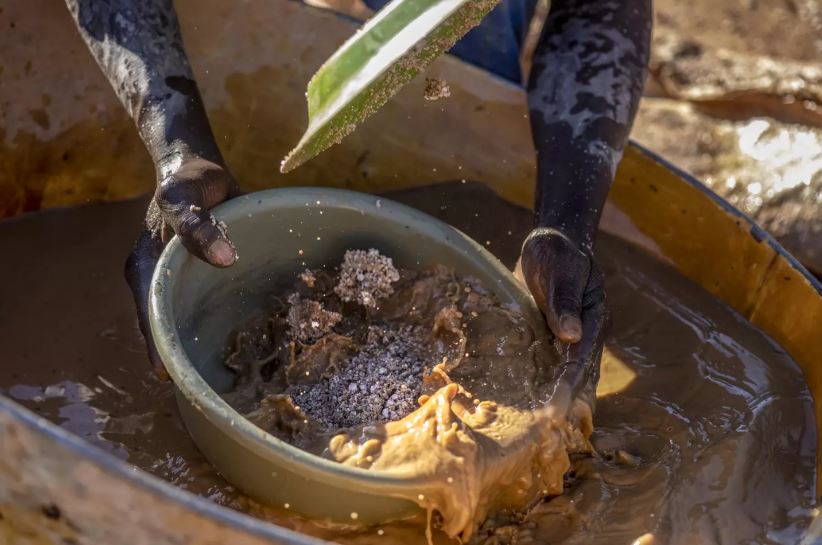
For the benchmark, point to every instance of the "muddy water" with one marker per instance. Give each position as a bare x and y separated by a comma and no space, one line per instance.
704,426
433,351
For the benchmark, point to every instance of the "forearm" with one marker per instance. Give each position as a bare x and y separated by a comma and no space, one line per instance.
584,89
139,48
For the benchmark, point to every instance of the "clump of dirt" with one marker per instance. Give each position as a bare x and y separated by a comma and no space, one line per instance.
308,320
366,277
436,89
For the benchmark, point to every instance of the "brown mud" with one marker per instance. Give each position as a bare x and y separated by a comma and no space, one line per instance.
419,373
365,344
704,427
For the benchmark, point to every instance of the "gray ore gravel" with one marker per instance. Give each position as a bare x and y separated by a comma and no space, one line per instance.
379,383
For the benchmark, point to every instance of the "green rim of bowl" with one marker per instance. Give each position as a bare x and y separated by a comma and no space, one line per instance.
205,399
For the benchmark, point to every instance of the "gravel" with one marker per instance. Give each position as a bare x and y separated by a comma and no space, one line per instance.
380,383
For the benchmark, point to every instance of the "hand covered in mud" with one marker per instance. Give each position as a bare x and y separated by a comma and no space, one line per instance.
185,193
568,288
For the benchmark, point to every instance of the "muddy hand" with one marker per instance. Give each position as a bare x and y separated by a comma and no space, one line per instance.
568,288
180,206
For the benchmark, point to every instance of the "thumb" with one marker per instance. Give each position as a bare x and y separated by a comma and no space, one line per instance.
204,237
185,207
563,303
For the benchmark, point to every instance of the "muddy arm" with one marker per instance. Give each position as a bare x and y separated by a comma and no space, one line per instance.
139,48
587,78
584,89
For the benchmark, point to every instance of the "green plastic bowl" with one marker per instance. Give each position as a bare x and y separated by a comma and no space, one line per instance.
194,308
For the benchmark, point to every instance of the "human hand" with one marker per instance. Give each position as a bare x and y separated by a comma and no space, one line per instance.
186,191
568,288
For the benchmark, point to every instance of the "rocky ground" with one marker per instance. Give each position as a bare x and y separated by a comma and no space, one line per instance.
735,97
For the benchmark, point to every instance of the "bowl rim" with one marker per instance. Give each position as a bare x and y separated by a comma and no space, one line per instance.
203,398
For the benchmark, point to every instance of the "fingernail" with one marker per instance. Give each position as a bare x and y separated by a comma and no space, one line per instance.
222,253
571,328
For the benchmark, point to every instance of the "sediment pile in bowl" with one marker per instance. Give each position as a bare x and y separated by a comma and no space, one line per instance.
421,373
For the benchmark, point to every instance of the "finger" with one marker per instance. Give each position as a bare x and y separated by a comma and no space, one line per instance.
166,233
139,270
563,305
154,223
556,273
595,322
184,207
204,237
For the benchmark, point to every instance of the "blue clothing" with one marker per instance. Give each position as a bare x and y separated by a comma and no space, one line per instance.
496,43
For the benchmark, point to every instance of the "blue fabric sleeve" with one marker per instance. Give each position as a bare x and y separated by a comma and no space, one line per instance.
495,44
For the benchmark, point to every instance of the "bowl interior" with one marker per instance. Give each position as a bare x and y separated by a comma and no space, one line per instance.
195,308
278,234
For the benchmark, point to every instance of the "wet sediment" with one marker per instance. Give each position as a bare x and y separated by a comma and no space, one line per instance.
704,427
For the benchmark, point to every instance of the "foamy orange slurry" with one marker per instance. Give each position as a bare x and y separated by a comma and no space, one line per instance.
436,382
472,457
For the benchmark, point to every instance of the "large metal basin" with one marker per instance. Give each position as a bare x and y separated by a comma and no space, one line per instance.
76,145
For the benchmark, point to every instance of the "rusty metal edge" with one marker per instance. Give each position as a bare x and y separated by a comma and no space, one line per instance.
757,232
